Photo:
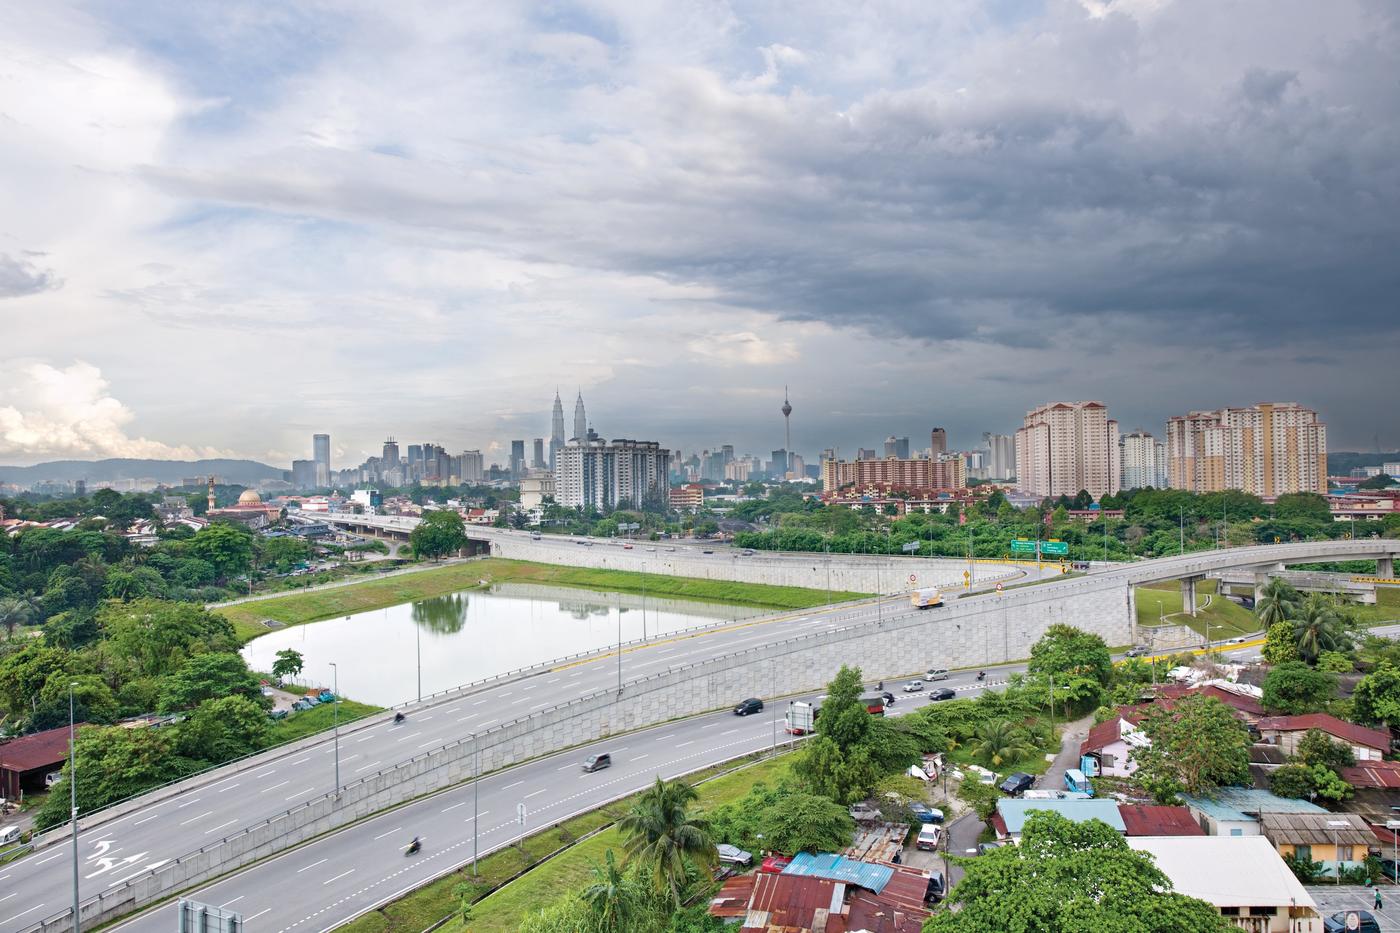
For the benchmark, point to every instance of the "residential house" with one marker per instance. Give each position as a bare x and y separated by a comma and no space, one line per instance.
1011,814
1334,839
1287,731
826,893
1143,820
1235,811
1239,697
1372,775
27,762
1106,749
1245,879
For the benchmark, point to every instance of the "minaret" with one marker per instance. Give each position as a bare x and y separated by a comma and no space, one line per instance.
211,492
580,418
787,431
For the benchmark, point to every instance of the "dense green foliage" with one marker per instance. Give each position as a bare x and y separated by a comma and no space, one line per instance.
1197,746
782,819
441,533
1069,877
1293,688
1376,698
1077,663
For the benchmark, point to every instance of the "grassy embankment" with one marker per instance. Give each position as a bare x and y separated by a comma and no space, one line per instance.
299,608
1227,619
551,879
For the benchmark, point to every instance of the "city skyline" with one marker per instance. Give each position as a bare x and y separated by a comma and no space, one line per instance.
705,206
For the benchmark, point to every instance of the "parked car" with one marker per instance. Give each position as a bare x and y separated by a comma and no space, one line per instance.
864,812
1390,868
597,762
751,705
1015,784
774,864
1137,651
929,835
925,813
914,686
984,847
1351,921
942,693
937,888
733,855
936,673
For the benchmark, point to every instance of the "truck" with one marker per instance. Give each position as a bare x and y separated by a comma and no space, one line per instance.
801,718
874,704
926,598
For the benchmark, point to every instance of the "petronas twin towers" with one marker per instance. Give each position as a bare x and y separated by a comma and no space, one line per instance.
557,438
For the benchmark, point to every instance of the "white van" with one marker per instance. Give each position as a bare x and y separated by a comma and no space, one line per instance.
9,834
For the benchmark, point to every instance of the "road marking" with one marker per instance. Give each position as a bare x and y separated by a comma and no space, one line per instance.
234,901
297,762
187,803
366,767
337,877
534,793
8,896
712,725
230,787
540,705
503,693
429,742
300,793
365,739
258,914
552,680
263,773
684,744
572,764
422,717
665,737
313,865
409,736
478,702
389,833
220,826
456,805
624,748
275,786
22,913
577,674
49,859
509,786
200,817
146,820
729,732
465,718
640,757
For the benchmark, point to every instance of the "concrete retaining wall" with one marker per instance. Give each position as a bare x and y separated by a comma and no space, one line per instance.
957,636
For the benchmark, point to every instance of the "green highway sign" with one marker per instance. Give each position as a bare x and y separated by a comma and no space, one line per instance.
1055,548
1022,546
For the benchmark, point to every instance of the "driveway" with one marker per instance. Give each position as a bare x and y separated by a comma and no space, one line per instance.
1070,740
1332,898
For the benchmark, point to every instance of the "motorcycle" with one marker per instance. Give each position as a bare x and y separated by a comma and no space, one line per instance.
413,847
981,675
399,717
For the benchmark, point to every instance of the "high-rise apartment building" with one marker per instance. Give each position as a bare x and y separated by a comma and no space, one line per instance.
780,464
865,453
1064,447
1144,461
612,474
737,470
897,447
947,472
321,455
303,474
1001,455
390,459
1267,449
473,466
517,459
537,461
937,443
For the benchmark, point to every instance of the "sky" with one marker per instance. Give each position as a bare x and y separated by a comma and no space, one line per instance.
227,225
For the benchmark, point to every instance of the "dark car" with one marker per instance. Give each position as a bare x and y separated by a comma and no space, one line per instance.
1351,921
937,887
597,762
984,847
888,697
1017,784
925,814
942,693
751,705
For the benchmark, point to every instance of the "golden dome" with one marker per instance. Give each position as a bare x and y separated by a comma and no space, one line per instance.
249,497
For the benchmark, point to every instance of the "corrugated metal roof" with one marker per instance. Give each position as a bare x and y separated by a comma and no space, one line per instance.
1227,871
1337,728
1013,811
1159,821
1384,774
38,750
867,875
1309,829
1244,803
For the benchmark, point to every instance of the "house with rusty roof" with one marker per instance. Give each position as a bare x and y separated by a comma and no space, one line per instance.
1108,746
1287,731
1239,697
1334,839
1142,820
826,894
27,761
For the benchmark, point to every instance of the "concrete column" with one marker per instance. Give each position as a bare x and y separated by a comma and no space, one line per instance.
1385,567
1188,595
1260,581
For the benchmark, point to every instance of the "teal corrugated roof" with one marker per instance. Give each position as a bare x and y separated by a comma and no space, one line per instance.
839,868
1013,811
1238,804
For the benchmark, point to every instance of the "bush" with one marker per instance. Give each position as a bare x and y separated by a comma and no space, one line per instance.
1334,662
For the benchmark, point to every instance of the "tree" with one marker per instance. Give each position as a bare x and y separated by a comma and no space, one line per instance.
288,664
1300,780
1335,662
982,797
223,729
1197,745
827,770
609,897
1379,481
441,532
1293,688
1376,698
23,674
92,701
1279,645
1079,664
663,837
1317,627
283,553
206,677
1000,742
158,635
1277,603
1067,877
113,764
227,547
1317,748
1302,506
14,612
804,822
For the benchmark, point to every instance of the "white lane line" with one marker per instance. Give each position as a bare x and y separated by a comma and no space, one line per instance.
22,913
337,877
200,817
301,793
420,717
529,687
275,786
389,833
49,859
576,674
466,718
264,773
220,826
187,803
572,764
230,787
146,819
366,767
665,737
552,680
10,895
509,786
712,725
234,901
258,914
729,732
478,702
540,705
684,744
534,793
313,865
503,693
456,805
624,748
297,762
640,757
365,739
430,742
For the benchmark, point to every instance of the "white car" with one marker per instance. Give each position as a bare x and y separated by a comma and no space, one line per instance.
733,855
914,686
929,836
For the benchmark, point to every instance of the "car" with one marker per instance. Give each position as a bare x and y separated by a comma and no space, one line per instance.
627,547
888,698
597,762
864,812
751,705
929,836
1016,783
914,686
984,847
942,693
774,864
670,549
1390,868
707,551
937,888
733,855
936,673
1137,651
1351,921
926,814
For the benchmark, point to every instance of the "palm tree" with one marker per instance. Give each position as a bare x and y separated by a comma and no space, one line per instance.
1317,627
1278,602
999,741
608,896
14,612
662,835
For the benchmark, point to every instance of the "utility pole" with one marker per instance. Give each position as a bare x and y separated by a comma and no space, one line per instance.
476,792
418,635
73,803
335,719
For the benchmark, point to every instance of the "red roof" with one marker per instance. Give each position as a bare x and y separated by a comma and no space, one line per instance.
1103,735
799,902
40,750
1158,821
1338,728
1384,774
1244,704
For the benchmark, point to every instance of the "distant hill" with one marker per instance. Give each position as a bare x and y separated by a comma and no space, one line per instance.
1342,462
241,472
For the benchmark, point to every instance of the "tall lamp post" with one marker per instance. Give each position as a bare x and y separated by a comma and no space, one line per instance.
418,641
335,720
1336,845
73,802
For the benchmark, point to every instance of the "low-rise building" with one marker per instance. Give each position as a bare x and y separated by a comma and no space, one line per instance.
825,894
1245,879
1334,839
1235,811
1287,731
1012,812
1108,746
687,497
1142,820
27,761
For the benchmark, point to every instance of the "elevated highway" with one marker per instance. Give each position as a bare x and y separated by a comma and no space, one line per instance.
178,838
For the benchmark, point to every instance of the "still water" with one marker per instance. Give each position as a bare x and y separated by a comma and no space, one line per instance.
468,636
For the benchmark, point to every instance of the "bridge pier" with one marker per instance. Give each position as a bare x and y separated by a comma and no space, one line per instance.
1188,594
1385,567
1261,579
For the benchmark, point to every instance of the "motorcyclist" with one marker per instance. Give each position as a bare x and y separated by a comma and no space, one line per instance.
981,675
414,846
398,717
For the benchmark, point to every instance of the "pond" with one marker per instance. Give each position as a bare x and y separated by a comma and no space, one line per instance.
471,635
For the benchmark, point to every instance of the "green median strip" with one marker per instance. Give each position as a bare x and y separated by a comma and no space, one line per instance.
300,608
541,872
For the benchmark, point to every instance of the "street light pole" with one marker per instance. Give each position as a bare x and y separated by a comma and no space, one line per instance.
619,651
476,793
418,635
73,803
335,720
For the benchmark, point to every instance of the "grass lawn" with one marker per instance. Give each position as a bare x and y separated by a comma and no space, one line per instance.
1227,619
565,872
318,719
298,608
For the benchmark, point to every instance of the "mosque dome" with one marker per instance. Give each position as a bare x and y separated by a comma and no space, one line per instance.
249,497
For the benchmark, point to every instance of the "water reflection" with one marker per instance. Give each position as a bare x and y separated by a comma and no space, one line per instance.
463,637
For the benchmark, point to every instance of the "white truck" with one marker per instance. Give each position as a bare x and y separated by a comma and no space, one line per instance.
926,598
801,718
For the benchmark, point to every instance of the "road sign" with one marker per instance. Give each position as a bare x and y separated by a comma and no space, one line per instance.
520,813
909,547
195,916
998,587
1022,546
913,578
1054,548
